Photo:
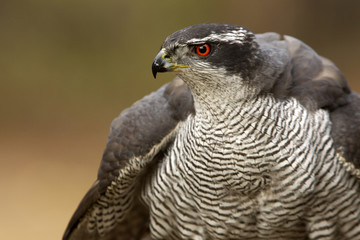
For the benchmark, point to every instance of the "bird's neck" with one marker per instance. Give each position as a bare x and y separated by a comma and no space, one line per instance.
214,112
221,102
214,95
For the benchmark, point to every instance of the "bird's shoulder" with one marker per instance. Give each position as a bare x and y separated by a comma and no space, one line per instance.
315,81
138,132
139,128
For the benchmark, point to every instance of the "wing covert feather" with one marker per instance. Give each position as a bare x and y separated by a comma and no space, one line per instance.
133,134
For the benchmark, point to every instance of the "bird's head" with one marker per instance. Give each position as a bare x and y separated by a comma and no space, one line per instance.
210,55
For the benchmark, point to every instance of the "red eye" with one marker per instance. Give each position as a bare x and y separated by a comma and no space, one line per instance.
203,50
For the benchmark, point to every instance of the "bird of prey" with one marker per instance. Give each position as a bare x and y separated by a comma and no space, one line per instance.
256,138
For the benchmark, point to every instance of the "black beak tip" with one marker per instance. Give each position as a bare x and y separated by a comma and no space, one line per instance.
155,69
160,64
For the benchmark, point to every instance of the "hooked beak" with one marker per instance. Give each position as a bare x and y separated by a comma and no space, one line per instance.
163,63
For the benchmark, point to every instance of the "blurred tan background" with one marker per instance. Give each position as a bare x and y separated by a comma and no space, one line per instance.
67,68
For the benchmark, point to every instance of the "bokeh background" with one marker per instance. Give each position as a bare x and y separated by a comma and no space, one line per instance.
67,68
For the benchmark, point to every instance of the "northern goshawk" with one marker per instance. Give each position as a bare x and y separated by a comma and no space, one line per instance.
257,138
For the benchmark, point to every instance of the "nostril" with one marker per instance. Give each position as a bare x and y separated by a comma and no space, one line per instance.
166,56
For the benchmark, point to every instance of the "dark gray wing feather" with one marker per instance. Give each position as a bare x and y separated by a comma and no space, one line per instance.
133,135
346,129
315,80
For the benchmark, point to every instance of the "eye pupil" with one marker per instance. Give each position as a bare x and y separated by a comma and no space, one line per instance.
203,50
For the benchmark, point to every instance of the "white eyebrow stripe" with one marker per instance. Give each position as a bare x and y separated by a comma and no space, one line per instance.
235,36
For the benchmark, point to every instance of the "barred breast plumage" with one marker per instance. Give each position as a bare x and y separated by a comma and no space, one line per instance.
257,138
258,172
